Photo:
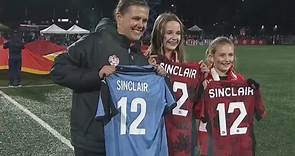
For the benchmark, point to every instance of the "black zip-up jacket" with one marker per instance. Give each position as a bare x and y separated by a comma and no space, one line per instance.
78,69
15,47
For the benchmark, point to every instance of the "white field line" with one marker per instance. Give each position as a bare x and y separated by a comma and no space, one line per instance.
40,121
29,86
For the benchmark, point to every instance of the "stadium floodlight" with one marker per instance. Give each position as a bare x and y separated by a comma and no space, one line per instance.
63,20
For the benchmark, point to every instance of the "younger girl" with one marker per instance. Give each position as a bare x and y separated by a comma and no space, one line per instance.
221,61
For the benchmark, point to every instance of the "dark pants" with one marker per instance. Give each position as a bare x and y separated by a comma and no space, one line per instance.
14,71
83,152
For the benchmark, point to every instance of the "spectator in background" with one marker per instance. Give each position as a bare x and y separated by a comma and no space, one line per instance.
15,46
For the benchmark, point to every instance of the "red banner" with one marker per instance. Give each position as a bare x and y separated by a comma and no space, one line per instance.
31,62
250,42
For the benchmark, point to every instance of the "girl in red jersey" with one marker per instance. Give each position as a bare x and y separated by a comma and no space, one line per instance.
167,48
221,61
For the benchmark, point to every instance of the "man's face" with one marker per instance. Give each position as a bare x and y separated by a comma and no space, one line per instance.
132,23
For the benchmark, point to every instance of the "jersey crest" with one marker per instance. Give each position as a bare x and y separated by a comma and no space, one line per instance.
114,60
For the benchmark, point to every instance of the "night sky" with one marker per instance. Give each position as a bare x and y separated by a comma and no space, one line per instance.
221,15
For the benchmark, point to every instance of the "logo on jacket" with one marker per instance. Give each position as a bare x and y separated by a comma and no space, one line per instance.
114,60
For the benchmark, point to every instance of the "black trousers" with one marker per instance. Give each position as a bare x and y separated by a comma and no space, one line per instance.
83,152
14,70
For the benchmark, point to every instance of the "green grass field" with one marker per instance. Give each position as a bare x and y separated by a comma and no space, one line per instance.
271,66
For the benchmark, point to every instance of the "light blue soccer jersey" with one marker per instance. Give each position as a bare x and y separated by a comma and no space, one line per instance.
140,97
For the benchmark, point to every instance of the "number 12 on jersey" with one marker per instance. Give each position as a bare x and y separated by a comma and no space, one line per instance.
234,129
133,129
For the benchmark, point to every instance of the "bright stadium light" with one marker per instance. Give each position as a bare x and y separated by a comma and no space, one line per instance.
262,27
63,20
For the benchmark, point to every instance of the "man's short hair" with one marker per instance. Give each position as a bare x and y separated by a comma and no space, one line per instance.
123,5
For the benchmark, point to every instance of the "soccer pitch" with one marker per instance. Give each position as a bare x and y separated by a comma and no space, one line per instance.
271,66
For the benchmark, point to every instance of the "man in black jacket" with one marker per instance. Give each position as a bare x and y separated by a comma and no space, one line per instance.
92,58
15,46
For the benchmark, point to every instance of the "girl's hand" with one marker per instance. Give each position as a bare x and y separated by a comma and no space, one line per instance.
152,59
204,68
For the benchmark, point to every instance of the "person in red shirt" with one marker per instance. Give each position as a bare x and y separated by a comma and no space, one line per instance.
167,50
221,60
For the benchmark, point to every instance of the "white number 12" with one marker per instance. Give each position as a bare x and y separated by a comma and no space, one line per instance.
222,119
133,129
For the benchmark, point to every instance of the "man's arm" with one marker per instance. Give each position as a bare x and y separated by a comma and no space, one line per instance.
69,68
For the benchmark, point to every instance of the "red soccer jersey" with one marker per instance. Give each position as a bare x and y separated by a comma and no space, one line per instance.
202,135
229,108
185,79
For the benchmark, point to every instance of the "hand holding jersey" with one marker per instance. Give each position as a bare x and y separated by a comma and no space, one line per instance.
106,71
202,135
186,79
204,68
86,63
134,112
228,105
152,59
254,84
229,108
